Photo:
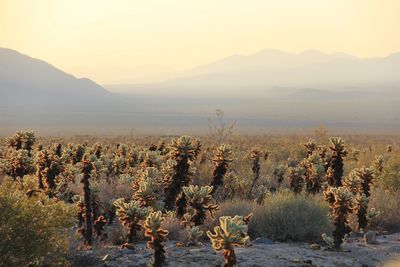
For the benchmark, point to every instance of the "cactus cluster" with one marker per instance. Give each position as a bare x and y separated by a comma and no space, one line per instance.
199,201
157,236
231,232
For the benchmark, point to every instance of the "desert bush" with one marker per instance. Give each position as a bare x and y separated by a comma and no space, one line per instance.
283,216
390,178
289,216
387,202
33,228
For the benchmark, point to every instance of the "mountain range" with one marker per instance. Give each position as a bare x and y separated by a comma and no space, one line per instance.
270,89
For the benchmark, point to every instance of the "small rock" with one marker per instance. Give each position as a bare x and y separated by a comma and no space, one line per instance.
315,246
370,237
106,257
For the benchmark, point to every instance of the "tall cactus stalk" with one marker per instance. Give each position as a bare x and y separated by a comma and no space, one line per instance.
341,201
255,156
223,156
336,165
86,170
182,151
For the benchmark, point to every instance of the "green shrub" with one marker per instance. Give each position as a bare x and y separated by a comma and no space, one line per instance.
297,217
283,216
33,229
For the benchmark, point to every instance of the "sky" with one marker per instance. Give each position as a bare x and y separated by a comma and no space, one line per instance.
135,41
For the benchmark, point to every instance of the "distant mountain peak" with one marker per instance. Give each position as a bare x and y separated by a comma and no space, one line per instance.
24,79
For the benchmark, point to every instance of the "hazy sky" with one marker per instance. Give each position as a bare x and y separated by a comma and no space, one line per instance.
123,41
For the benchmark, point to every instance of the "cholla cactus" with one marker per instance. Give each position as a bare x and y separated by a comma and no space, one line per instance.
52,168
222,157
352,182
41,163
199,200
148,188
231,232
178,175
311,146
314,178
130,215
151,159
157,236
296,178
87,167
193,234
98,225
378,164
336,164
361,206
279,173
341,200
20,163
389,148
366,175
22,140
255,156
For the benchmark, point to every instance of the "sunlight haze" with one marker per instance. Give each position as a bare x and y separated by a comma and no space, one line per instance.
116,42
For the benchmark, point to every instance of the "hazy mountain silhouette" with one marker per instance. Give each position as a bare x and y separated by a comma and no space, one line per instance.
268,90
245,75
25,80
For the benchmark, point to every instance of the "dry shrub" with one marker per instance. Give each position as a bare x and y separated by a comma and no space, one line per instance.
296,217
283,216
174,227
388,203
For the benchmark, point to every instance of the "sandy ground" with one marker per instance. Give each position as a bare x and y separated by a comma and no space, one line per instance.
261,253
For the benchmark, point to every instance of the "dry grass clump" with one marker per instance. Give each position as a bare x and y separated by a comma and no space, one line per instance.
387,202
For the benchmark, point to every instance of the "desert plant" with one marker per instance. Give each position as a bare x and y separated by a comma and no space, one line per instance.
22,140
193,235
361,207
366,175
178,174
279,173
341,200
157,236
255,156
296,178
286,215
378,164
87,167
336,165
231,232
222,157
148,188
130,215
199,200
20,163
311,146
33,229
98,226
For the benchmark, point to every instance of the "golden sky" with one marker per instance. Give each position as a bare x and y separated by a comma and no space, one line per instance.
123,41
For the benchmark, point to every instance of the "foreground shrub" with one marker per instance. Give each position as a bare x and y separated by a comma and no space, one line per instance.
33,229
289,216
